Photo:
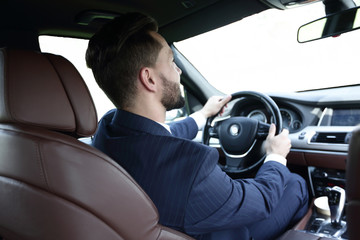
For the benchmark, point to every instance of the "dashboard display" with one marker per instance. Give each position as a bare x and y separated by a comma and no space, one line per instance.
287,119
257,115
345,117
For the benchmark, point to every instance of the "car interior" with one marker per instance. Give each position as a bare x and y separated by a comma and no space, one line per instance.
56,185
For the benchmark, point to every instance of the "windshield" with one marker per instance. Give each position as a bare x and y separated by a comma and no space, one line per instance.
261,53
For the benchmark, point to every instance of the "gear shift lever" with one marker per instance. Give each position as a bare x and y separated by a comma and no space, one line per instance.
336,199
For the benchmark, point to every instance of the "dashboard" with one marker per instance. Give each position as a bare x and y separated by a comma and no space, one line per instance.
294,115
318,120
291,119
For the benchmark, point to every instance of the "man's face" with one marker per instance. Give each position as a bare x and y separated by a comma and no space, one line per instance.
169,74
171,95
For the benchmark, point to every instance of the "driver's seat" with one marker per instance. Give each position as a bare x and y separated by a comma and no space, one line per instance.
53,186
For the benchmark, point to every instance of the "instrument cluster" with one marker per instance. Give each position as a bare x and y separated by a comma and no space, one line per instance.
291,119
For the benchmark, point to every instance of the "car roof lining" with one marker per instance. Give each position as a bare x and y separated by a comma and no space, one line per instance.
177,20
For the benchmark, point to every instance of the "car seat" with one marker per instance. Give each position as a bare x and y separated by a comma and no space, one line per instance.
53,186
352,186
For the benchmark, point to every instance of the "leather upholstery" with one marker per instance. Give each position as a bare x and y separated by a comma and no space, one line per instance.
352,186
53,186
44,90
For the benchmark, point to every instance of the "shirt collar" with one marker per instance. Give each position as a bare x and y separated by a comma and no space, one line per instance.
167,127
138,123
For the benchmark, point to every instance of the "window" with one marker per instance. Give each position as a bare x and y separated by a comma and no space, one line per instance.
261,53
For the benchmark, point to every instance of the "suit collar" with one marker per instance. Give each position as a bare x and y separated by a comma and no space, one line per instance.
138,123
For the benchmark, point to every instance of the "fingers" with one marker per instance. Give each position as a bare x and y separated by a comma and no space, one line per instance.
223,103
279,144
215,105
225,100
272,130
285,131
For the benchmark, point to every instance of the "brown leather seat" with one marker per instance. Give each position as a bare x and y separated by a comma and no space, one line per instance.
53,186
353,186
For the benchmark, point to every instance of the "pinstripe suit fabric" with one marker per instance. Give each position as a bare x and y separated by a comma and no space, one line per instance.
182,178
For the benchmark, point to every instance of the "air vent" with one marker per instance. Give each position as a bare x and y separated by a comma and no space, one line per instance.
331,137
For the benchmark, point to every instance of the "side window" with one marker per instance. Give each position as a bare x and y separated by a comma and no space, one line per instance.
74,50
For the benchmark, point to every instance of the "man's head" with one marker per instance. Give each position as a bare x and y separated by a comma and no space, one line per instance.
121,49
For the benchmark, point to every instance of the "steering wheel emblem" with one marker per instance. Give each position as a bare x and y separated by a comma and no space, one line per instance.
234,130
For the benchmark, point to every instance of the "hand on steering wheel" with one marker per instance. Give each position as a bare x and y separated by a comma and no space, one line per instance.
241,138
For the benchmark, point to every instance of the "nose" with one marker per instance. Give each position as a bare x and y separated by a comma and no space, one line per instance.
178,69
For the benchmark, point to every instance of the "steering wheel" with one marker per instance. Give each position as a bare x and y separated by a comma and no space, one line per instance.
241,138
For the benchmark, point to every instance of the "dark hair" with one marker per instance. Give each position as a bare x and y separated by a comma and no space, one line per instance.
117,53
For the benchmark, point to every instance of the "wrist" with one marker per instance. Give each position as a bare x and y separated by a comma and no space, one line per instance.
199,119
204,113
276,157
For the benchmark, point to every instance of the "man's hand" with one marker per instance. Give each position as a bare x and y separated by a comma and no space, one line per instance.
215,105
279,144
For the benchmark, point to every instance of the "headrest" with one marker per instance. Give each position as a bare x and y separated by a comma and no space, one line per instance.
44,90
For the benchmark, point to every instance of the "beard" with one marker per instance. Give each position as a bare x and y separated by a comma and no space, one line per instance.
171,98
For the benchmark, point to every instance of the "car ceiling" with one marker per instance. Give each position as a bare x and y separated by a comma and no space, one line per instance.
178,19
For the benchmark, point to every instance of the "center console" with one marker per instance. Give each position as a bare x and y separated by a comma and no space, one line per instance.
328,218
321,178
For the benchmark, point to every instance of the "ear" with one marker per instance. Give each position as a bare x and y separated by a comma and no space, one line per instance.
147,80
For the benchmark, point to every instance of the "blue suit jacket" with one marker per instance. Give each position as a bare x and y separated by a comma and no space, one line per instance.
182,177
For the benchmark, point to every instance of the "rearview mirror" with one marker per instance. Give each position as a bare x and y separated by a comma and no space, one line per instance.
331,25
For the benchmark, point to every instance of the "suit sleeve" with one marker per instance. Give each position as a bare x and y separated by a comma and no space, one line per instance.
186,128
217,202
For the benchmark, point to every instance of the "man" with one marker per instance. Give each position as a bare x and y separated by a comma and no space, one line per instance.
134,66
